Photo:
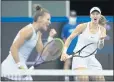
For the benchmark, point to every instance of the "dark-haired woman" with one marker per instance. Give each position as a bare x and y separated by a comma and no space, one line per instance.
27,38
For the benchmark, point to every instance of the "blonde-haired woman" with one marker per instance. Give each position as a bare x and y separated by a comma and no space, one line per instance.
90,32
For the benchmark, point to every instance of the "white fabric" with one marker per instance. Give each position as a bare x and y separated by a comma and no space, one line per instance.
9,65
85,38
95,8
91,63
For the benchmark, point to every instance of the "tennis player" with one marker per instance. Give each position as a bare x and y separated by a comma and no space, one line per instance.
66,32
90,32
27,38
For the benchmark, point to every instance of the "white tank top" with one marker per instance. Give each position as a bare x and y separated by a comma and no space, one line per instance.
25,50
85,38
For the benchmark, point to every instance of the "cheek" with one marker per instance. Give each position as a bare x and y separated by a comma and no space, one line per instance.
91,16
98,17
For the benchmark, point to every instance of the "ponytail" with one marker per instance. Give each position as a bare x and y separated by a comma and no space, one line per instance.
103,21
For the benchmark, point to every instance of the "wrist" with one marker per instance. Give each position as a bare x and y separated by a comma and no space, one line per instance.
101,41
18,64
65,50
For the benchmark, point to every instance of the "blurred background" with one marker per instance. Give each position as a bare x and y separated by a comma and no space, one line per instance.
17,14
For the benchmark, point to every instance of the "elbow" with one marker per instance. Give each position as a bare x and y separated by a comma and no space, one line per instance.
11,48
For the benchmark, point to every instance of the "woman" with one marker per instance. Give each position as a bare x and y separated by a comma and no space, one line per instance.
27,38
95,29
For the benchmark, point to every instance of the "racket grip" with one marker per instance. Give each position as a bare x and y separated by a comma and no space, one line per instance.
70,56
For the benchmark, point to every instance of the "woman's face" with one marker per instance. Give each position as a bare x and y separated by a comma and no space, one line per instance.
45,21
95,16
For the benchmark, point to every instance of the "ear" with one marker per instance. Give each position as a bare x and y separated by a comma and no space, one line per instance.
39,18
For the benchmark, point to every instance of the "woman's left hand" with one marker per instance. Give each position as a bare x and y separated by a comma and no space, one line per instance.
103,33
52,33
103,36
39,34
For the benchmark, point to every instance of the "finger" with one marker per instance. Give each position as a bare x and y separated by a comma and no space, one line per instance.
62,58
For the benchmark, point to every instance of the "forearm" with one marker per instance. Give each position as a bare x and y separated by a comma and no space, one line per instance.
14,53
39,46
67,43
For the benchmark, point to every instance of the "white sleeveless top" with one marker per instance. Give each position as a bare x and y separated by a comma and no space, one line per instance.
87,37
27,47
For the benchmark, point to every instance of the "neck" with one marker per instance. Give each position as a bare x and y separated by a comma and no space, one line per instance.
35,26
93,25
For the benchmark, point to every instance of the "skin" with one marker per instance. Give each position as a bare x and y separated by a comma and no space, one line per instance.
93,27
25,34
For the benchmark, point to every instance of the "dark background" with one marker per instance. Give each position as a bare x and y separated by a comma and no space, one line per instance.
83,7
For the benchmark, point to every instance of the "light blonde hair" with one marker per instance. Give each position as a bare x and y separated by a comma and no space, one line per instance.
103,21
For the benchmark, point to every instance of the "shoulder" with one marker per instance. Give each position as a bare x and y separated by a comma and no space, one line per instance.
82,25
26,32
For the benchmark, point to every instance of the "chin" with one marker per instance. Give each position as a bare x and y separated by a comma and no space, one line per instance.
96,22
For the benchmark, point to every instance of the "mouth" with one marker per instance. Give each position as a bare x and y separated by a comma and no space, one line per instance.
95,19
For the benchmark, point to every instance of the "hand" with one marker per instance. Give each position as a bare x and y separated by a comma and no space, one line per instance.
52,33
20,65
103,36
64,57
39,34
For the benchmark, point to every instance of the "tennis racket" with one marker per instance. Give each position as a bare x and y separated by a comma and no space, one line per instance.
77,54
50,52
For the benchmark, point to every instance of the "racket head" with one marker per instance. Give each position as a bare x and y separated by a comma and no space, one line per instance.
52,50
85,51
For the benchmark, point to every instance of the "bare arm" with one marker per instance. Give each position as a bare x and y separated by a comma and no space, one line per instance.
77,31
39,45
23,35
102,37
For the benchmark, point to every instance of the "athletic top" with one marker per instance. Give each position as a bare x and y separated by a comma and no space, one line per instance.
66,32
87,37
27,47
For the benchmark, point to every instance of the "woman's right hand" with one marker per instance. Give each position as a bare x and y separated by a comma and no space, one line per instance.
64,57
20,66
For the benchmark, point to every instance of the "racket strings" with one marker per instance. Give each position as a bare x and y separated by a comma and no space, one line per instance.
51,51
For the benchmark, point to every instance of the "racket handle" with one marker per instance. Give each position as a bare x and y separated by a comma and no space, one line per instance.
70,56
